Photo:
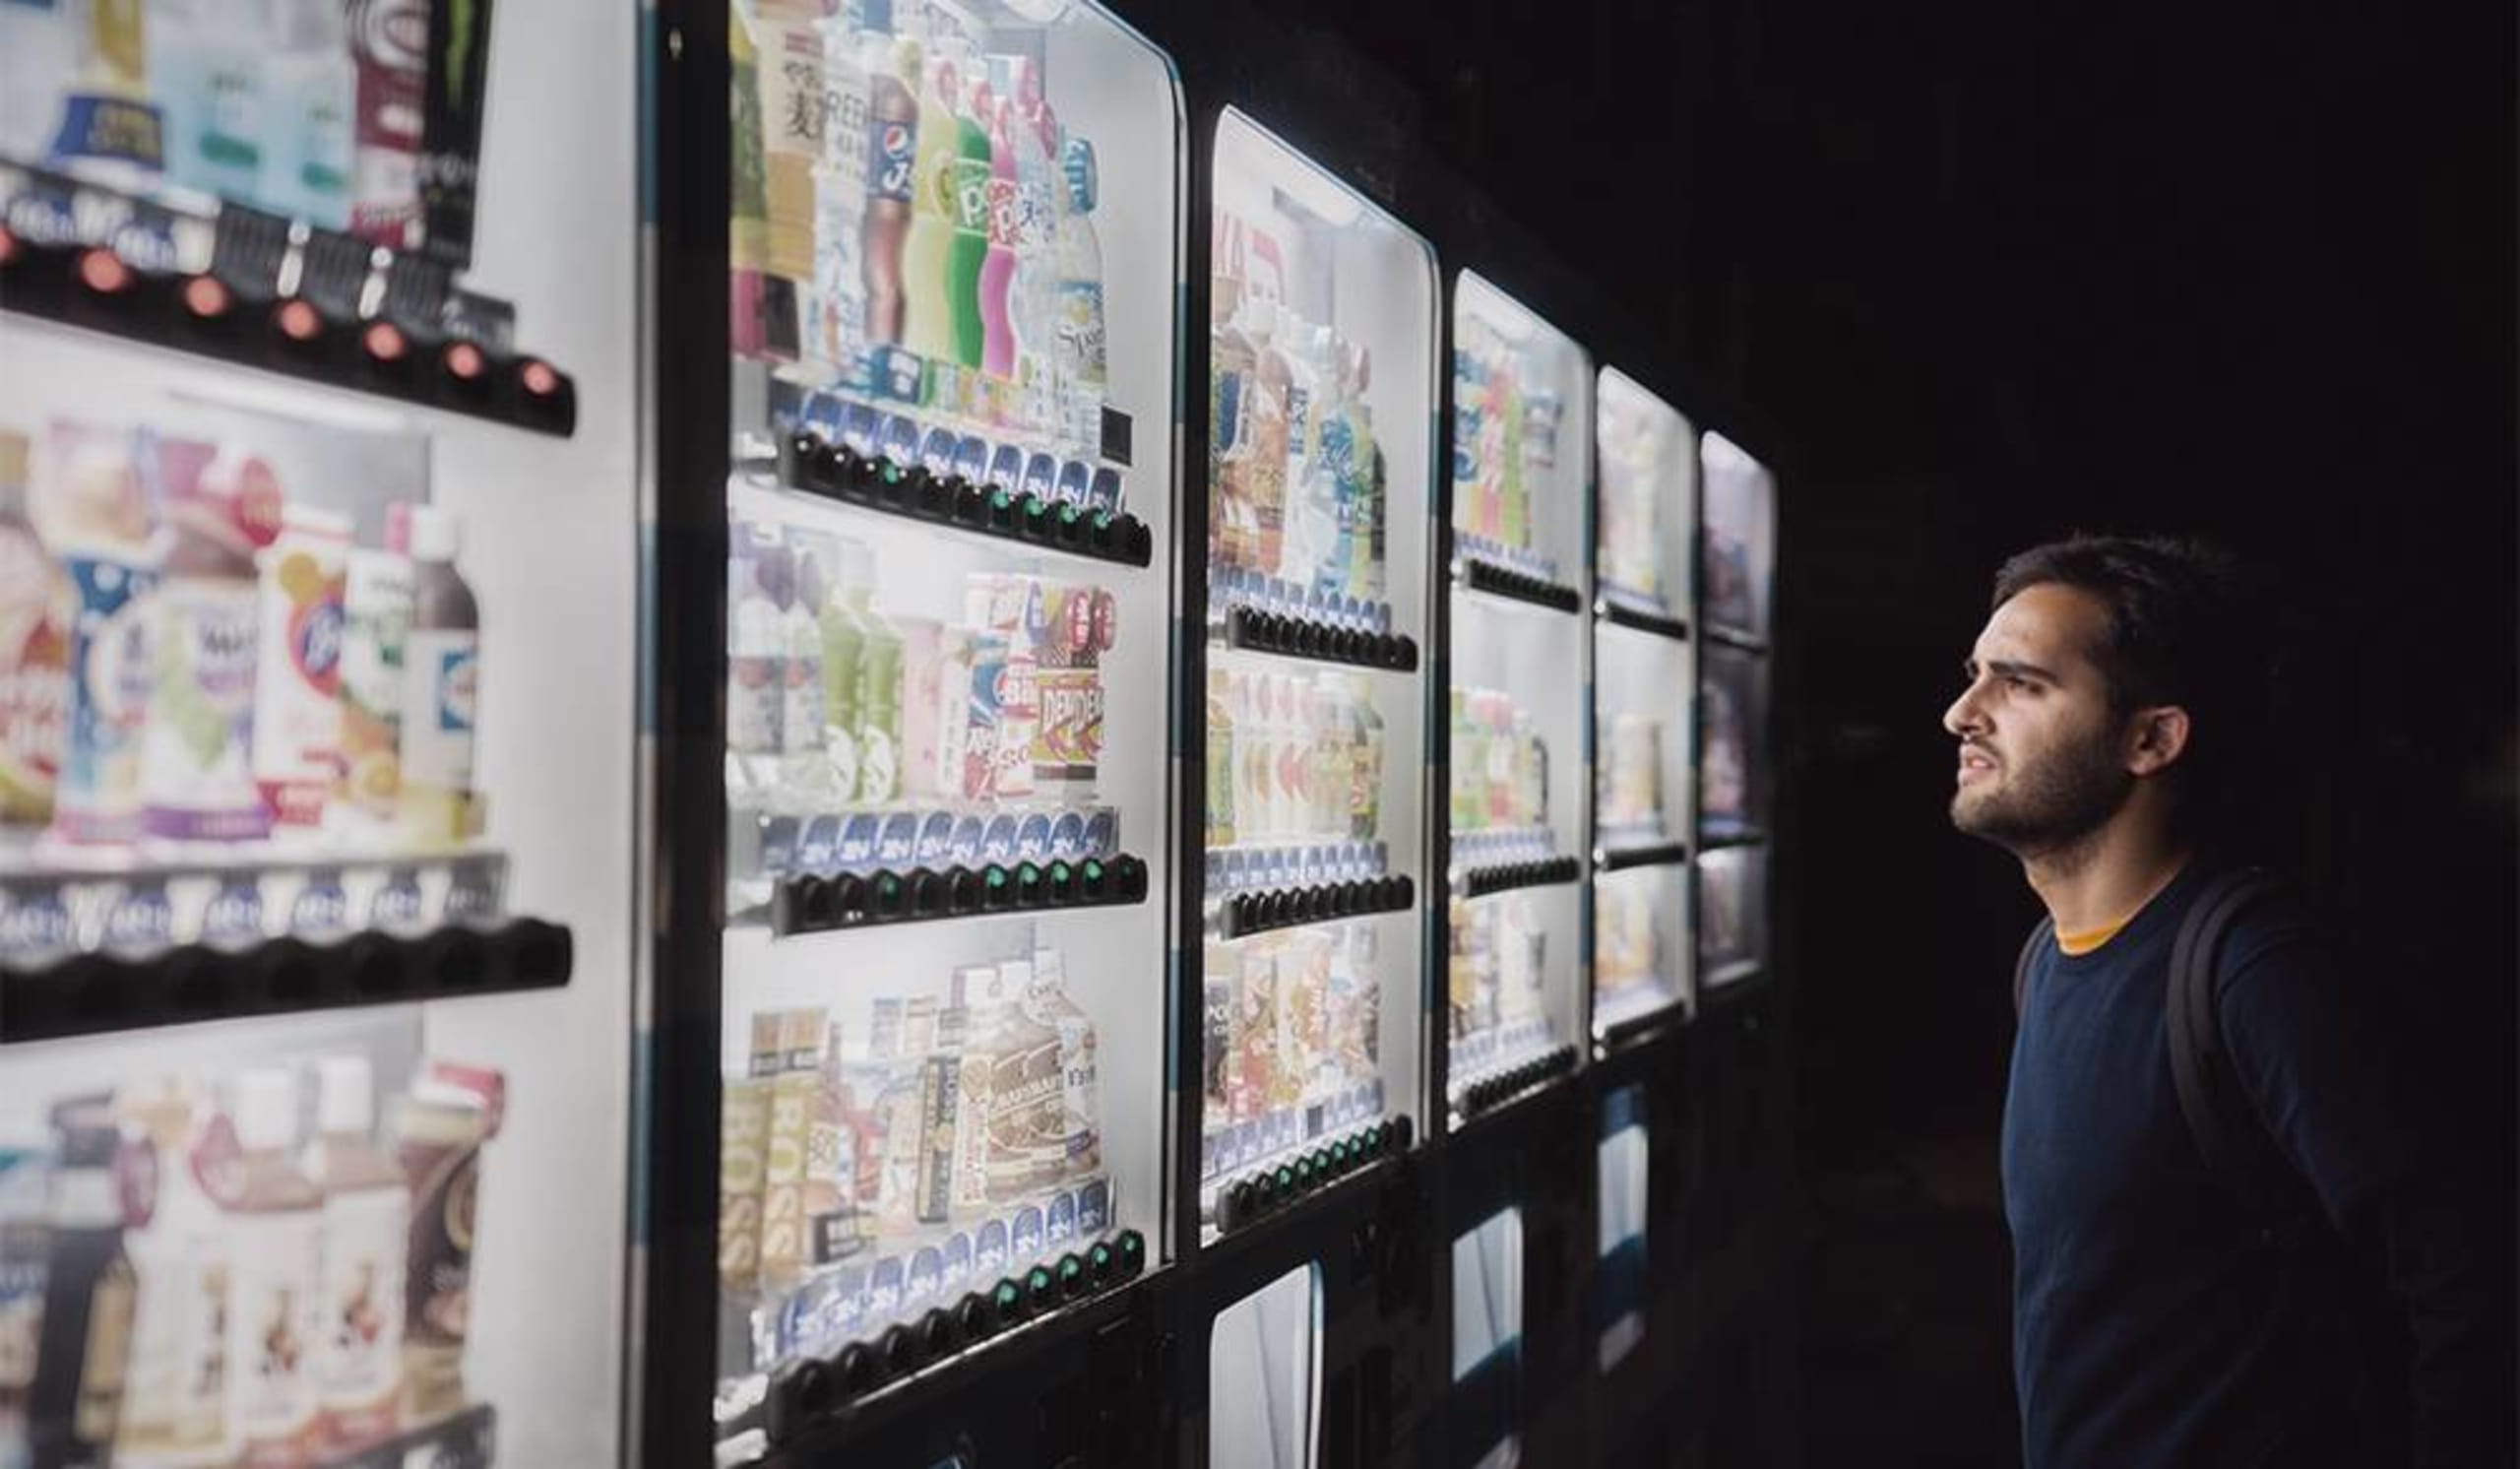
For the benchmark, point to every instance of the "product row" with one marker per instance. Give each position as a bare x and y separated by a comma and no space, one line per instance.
1506,425
835,704
958,1133
911,221
198,659
1297,498
192,1277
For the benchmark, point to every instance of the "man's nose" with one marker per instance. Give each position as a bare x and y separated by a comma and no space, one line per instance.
1963,716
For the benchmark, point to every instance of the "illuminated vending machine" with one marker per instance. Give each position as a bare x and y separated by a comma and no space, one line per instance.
1736,552
1644,679
1514,829
317,727
919,1022
1310,831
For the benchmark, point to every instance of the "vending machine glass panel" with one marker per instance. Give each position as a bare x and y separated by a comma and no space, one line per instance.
1644,668
1264,1377
954,241
1517,771
1740,538
1731,791
1321,346
1732,917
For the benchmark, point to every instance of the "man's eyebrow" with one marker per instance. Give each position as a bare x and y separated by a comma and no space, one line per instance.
2009,668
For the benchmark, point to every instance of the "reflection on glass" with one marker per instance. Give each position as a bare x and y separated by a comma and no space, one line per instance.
1731,712
1487,1337
1741,537
1644,497
1621,1288
1264,1377
1731,902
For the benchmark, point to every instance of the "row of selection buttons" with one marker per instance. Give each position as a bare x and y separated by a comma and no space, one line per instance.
1254,630
851,900
1487,1091
1246,914
1270,1189
814,1387
877,481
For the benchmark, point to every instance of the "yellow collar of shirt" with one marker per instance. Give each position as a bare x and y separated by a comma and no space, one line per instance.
2075,945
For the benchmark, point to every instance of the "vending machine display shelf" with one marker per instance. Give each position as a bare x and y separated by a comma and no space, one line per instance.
1713,835
1252,630
1245,913
1616,611
1479,882
1641,854
358,317
1637,1010
467,1440
1492,846
1734,637
887,897
1267,1189
811,465
1492,1091
63,904
1732,976
1478,574
102,994
816,1388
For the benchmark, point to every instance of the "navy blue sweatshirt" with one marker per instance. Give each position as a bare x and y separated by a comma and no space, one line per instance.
2155,1323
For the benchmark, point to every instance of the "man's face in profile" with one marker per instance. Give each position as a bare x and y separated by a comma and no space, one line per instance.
2039,764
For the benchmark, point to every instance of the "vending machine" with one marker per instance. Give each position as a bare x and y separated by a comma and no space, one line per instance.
917,507
1645,653
318,648
1307,833
1644,667
1515,826
1738,550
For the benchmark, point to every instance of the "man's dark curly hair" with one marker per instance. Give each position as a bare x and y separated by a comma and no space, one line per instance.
2187,625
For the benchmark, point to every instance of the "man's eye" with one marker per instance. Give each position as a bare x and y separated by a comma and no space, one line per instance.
2016,681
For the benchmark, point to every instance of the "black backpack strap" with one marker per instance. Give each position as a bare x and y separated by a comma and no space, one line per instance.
2229,1134
2021,966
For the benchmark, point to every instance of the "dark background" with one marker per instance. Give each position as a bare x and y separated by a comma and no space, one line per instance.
1977,275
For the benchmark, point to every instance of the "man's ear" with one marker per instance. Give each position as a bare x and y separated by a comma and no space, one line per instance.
2155,738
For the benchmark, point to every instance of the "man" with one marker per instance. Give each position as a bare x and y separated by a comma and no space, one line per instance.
2164,1318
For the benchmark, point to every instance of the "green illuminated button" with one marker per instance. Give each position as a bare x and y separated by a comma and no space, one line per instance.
1286,1179
1008,1298
1100,1257
996,876
1040,1286
999,500
1093,871
1071,1274
891,472
1132,1251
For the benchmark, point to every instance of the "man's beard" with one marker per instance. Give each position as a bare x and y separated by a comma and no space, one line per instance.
2050,804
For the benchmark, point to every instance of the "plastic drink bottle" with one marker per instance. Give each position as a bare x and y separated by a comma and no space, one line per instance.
276,1236
1033,308
206,66
968,251
998,268
838,331
928,312
367,1207
1084,375
196,758
310,87
892,139
441,680
844,651
879,707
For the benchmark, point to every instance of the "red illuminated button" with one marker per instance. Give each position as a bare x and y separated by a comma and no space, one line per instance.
103,271
206,297
540,378
384,341
299,321
464,362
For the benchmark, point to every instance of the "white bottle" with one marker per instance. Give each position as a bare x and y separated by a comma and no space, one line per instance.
837,329
205,69
1082,372
367,1221
174,1407
806,772
310,97
275,1242
1034,298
